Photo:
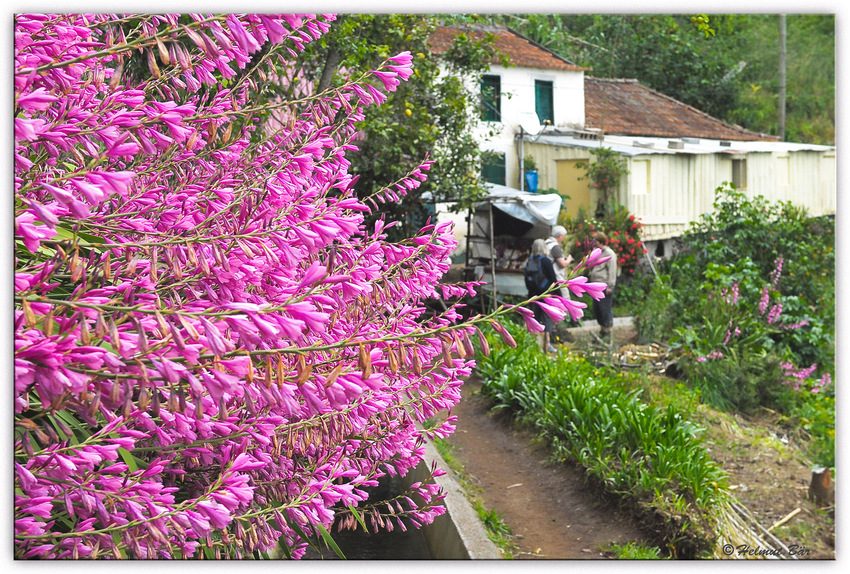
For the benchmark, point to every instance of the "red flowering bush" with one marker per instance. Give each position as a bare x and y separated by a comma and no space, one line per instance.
214,356
623,231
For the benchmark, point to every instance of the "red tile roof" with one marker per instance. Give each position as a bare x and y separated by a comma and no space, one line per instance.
626,107
521,51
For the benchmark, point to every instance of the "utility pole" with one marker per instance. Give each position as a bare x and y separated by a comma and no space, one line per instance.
783,35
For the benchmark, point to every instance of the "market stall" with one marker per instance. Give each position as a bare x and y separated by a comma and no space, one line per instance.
500,232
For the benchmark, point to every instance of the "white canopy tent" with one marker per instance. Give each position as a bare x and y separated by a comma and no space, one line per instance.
535,208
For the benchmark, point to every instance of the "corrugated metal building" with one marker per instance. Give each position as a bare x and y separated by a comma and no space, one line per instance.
677,157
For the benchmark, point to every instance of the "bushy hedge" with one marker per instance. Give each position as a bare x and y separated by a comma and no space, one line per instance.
750,302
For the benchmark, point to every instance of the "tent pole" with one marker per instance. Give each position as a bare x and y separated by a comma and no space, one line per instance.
492,255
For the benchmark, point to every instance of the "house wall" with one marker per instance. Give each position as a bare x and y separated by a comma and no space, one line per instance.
517,86
547,157
787,177
669,191
682,186
667,199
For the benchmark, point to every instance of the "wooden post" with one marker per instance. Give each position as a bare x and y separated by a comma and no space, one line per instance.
469,215
821,489
521,159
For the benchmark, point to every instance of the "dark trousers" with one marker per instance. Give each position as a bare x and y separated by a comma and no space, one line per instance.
543,318
603,310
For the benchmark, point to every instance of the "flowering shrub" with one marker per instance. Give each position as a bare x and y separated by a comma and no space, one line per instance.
623,231
214,356
743,330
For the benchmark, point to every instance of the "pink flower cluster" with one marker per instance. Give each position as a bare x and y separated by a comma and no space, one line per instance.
213,354
802,378
712,356
776,274
557,307
731,295
397,190
765,300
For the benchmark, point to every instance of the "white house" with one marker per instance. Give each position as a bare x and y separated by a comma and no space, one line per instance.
538,83
677,155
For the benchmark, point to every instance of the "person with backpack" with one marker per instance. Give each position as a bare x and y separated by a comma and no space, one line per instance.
539,277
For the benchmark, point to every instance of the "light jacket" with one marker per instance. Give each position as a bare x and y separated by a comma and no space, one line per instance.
607,272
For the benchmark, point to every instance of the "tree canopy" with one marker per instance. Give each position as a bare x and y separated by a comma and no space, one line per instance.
433,113
725,65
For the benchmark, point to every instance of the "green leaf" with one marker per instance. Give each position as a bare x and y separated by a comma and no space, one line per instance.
310,539
285,549
80,237
81,432
119,544
329,541
357,517
128,459
134,463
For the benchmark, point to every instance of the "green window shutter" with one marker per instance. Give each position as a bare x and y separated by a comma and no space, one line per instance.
493,167
543,101
491,98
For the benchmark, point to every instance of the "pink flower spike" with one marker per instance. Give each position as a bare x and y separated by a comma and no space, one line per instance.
389,79
26,129
596,258
555,312
245,462
403,59
404,72
580,285
31,234
37,100
216,512
506,337
531,323
574,308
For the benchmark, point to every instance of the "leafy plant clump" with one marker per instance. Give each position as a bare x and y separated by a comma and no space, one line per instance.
605,169
651,458
634,551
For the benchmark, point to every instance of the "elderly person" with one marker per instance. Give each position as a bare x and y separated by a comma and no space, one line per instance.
539,277
555,248
606,273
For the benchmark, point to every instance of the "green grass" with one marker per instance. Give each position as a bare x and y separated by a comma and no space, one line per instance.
635,551
497,531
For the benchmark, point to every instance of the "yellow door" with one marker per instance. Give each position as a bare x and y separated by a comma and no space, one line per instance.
571,183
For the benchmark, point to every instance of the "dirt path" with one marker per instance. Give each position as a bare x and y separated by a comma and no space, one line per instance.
547,506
